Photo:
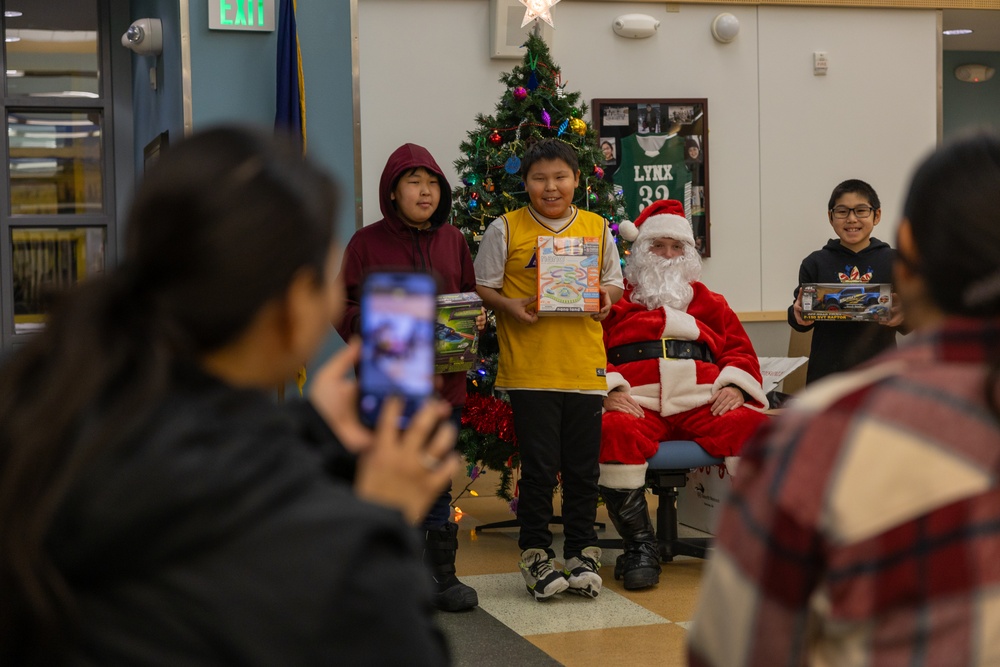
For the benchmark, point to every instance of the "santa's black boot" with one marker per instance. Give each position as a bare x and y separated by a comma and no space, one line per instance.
450,594
639,566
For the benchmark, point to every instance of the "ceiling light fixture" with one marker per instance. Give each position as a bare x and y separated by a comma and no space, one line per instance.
12,14
957,31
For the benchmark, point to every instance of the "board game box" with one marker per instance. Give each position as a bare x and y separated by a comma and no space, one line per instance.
569,275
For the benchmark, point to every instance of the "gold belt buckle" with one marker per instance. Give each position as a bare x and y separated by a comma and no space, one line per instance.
663,345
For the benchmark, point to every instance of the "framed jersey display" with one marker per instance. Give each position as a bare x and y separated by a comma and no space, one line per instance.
658,149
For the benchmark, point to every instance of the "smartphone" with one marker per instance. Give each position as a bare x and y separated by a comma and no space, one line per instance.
398,312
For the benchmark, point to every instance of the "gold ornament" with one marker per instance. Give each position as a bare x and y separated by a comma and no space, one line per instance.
578,126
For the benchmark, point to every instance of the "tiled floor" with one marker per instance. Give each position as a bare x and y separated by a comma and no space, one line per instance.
511,628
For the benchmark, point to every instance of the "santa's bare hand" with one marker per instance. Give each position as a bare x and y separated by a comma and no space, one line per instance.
605,305
726,399
622,401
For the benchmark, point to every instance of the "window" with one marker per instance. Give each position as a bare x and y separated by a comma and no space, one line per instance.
57,221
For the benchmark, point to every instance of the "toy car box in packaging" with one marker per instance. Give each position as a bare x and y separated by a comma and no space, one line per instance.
569,275
457,339
846,302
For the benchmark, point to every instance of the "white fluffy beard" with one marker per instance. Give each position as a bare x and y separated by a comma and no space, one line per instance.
658,282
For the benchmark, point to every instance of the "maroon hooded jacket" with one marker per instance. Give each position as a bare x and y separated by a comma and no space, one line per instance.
392,244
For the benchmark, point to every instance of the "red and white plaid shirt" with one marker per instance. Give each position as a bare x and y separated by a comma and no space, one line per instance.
864,525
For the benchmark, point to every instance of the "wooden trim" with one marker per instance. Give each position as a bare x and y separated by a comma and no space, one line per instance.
763,316
877,4
187,103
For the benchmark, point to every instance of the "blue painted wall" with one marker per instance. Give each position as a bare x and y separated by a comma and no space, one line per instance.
232,73
233,80
967,105
160,110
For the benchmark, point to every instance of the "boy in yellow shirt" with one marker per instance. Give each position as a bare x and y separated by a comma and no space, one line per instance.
553,370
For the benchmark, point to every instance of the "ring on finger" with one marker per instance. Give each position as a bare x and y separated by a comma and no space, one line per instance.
430,462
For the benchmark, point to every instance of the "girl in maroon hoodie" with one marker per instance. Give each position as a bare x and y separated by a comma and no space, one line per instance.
414,234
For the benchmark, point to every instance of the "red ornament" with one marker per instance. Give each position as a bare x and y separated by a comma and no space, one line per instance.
495,138
598,172
474,195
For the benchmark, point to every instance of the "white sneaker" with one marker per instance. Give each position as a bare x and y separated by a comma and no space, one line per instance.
542,580
581,572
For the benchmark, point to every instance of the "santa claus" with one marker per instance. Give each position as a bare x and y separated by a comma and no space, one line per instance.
680,367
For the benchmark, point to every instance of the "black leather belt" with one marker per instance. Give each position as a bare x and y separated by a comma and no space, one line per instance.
665,348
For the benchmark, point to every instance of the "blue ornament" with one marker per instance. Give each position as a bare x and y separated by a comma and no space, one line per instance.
532,81
473,204
562,127
513,165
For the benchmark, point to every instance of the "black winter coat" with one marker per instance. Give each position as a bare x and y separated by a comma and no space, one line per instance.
214,536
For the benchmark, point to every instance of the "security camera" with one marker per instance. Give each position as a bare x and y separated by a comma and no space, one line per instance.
144,37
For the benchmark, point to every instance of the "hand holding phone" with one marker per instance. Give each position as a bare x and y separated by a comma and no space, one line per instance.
407,470
334,394
398,313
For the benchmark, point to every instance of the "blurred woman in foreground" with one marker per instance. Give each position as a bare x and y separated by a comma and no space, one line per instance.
156,506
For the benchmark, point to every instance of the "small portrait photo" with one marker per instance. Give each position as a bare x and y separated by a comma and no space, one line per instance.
649,118
615,116
608,148
692,149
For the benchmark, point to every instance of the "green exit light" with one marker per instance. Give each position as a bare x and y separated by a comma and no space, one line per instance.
241,14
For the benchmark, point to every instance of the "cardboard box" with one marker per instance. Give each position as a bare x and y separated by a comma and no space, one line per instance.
699,502
848,302
569,275
456,336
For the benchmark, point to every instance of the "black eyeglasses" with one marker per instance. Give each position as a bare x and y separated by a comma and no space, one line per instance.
861,212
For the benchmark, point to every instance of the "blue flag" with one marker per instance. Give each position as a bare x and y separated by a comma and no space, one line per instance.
290,100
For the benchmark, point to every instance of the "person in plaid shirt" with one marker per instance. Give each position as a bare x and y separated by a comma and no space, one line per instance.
864,525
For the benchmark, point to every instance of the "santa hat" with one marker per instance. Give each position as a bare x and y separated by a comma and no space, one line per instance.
663,218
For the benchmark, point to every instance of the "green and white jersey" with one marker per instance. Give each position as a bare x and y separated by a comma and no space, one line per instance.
651,167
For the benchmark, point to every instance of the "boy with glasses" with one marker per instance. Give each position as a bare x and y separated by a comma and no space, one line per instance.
855,256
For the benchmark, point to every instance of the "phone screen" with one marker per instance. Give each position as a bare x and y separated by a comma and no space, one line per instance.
397,349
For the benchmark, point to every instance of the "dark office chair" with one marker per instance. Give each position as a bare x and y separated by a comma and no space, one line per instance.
667,472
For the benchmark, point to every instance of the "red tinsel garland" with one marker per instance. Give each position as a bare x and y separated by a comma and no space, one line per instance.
488,414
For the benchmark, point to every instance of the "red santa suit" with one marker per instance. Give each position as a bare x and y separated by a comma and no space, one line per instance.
676,394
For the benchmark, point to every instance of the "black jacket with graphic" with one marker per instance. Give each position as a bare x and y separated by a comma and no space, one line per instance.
839,346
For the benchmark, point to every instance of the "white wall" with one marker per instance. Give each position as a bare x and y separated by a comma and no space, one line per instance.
780,138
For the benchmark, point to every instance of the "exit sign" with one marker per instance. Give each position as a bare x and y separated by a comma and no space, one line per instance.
241,14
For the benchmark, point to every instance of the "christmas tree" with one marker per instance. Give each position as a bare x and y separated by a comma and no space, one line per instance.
534,106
